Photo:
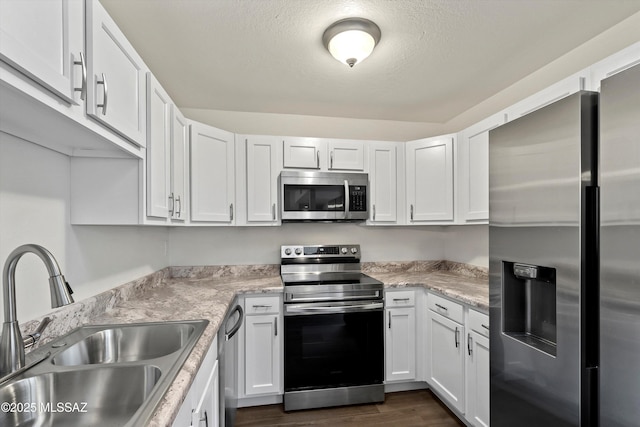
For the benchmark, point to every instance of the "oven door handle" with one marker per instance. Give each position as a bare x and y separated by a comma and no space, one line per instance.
324,309
289,297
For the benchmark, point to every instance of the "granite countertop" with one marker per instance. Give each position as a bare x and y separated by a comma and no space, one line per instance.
189,293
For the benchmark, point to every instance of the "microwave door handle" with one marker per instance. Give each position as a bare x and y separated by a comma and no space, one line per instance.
346,199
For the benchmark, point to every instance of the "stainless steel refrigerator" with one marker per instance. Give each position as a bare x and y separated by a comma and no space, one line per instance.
543,266
620,249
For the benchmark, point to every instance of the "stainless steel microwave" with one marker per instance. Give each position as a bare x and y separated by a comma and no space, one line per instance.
323,196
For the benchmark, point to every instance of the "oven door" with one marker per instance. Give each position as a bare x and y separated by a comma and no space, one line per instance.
329,346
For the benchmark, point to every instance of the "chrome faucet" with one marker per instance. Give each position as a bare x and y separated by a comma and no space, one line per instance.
11,343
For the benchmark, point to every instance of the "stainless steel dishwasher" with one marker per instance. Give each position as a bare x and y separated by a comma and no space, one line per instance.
228,359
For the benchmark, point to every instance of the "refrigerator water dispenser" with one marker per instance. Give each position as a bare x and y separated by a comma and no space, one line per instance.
529,305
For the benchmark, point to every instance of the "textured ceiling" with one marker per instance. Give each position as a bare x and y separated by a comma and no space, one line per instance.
436,58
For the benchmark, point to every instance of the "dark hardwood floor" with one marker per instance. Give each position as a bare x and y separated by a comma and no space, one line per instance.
406,409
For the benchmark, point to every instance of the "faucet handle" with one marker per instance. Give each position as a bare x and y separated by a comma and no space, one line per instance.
30,340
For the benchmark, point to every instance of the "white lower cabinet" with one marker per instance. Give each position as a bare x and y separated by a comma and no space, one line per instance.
263,346
201,406
400,336
478,369
446,351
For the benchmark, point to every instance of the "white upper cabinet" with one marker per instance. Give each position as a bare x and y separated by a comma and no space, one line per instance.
115,77
262,170
345,155
562,89
383,181
179,166
615,63
159,200
472,171
429,169
212,175
302,153
44,40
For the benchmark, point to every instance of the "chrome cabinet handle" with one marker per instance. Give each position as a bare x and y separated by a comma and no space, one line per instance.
83,87
411,210
205,419
457,337
331,160
485,326
401,299
275,326
346,199
442,307
171,204
273,211
318,159
231,212
469,342
105,96
178,207
389,320
261,306
374,212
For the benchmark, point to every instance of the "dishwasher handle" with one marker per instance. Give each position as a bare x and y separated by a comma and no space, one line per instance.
228,334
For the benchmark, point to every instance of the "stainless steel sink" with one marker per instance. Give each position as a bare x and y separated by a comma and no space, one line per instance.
62,398
106,375
128,343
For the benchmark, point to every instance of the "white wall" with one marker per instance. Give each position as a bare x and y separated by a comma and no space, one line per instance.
261,245
468,244
34,208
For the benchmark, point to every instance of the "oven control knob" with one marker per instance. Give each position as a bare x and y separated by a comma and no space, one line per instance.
344,251
287,251
354,250
298,251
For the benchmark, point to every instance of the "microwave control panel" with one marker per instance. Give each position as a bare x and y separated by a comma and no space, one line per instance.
358,198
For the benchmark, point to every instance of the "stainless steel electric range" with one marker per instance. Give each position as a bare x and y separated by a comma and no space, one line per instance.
333,328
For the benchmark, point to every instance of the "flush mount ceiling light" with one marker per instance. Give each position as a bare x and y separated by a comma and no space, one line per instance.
351,40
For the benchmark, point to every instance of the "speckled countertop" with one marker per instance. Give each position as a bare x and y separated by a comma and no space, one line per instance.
187,293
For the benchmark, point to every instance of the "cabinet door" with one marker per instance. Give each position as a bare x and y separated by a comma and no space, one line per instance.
302,153
159,199
346,155
179,164
383,180
445,371
115,77
262,355
206,411
478,379
262,179
430,179
43,39
400,345
212,174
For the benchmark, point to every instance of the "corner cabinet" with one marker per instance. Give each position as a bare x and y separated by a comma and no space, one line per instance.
212,175
44,40
429,168
446,350
115,77
400,336
263,347
472,170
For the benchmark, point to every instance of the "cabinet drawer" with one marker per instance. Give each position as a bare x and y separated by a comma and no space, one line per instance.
479,322
261,305
445,307
400,298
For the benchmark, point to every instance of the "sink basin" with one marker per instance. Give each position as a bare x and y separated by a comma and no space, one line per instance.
103,375
127,344
123,390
